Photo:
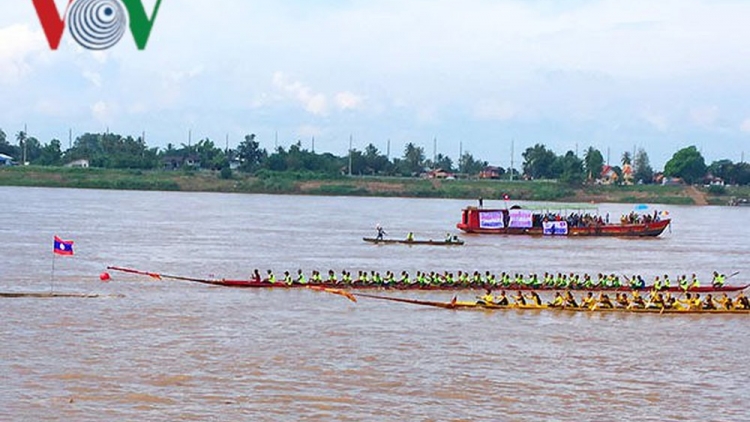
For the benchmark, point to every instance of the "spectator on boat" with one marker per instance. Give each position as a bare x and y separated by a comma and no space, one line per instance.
410,237
718,280
448,238
381,232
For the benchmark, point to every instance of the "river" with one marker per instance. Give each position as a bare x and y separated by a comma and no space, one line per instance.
170,350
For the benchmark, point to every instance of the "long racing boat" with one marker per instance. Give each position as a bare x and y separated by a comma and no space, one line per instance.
361,285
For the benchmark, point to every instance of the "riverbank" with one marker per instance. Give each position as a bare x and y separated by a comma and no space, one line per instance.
309,184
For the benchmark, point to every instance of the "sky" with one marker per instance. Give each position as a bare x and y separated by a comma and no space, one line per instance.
489,77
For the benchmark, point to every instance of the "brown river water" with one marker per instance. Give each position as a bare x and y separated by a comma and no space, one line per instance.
170,350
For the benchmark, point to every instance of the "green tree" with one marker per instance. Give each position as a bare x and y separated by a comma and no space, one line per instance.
444,162
571,169
687,164
51,154
467,164
593,163
626,159
414,161
642,171
33,149
375,162
251,155
538,162
21,138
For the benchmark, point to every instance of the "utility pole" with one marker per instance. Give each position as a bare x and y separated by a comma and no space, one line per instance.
190,137
313,145
226,150
70,138
388,150
607,155
25,139
434,153
512,156
350,155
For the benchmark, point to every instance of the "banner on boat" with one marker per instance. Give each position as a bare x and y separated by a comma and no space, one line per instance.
491,220
520,219
555,228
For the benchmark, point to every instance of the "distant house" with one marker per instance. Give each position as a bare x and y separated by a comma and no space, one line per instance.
6,160
80,164
490,172
672,181
627,174
439,174
175,162
608,176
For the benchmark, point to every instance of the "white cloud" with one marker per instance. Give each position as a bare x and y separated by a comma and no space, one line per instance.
103,112
348,100
492,110
705,116
18,46
657,120
94,77
314,103
745,125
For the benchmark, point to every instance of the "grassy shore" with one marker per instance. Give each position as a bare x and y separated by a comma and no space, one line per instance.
310,184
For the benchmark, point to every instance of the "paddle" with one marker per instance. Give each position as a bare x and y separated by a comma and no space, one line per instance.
339,292
444,305
732,275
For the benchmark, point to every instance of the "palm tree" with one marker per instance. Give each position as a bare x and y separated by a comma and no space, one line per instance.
21,138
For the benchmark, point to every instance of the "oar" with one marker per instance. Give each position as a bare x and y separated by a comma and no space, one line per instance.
444,305
160,276
732,275
339,292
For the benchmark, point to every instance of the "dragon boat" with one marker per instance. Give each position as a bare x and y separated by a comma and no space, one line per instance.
520,221
451,242
478,305
359,284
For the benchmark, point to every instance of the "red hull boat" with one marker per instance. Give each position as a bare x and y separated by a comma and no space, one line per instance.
517,221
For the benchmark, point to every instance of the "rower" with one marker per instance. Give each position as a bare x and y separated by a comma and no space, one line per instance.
588,301
502,300
271,278
519,299
657,302
487,299
718,280
404,280
410,237
697,302
741,301
709,303
332,277
622,300
637,301
684,283
604,302
570,301
557,302
288,278
657,283
534,297
256,276
666,284
301,277
694,283
724,302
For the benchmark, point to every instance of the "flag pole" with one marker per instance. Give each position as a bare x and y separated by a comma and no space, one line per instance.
52,277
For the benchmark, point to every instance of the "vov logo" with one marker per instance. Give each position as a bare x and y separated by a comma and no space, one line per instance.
96,24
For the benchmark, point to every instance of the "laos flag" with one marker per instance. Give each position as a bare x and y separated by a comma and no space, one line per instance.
63,247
